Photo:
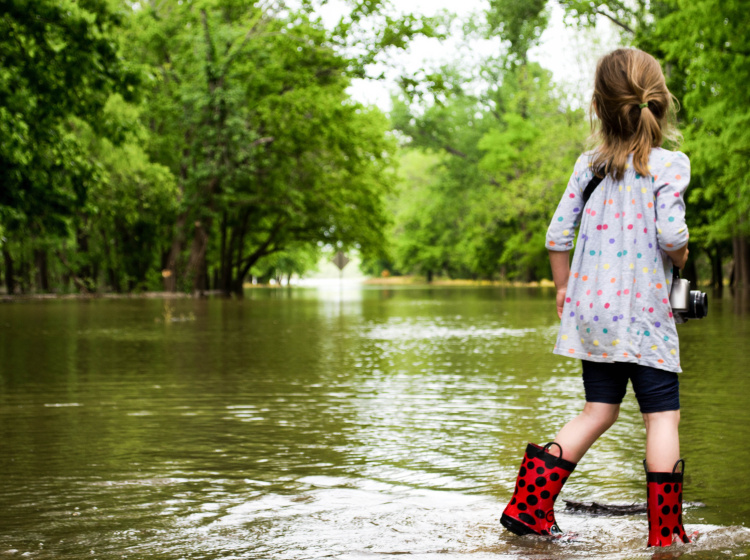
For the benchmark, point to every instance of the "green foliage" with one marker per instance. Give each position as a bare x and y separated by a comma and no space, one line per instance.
195,143
708,41
704,48
60,59
482,176
296,259
218,135
519,23
130,210
370,29
421,222
269,151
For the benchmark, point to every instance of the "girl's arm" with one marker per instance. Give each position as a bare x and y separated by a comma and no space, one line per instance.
560,263
561,231
679,257
669,198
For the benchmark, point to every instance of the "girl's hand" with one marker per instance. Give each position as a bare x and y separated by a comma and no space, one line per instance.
679,257
560,264
561,301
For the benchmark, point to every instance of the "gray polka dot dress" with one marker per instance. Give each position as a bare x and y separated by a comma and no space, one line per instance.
617,305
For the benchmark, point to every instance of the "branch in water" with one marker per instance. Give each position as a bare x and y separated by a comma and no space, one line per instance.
595,508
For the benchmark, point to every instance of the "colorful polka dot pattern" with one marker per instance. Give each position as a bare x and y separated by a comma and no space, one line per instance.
617,305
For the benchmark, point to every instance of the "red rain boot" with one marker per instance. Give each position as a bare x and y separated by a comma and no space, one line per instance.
540,479
664,501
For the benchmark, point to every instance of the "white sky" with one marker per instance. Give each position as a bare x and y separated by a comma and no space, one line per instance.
569,53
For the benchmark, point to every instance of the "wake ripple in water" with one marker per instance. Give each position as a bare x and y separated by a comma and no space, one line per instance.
409,330
341,518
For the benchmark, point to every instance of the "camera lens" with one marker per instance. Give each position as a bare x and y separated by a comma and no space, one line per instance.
698,305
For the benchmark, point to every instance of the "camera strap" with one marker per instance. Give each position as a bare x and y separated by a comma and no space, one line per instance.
591,187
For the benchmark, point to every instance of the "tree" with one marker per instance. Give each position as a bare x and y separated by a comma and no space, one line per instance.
500,160
250,108
60,62
295,259
707,41
704,50
421,216
130,210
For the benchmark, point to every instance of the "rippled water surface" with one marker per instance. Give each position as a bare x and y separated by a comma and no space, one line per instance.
366,423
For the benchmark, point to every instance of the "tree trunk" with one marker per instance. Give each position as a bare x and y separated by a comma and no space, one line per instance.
111,272
171,269
237,284
741,262
82,241
42,274
717,273
80,284
268,247
221,282
238,279
196,262
10,278
429,276
25,274
95,276
530,274
227,265
114,279
233,258
206,286
237,271
690,272
196,266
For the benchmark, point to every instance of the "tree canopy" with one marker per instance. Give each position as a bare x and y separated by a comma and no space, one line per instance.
189,145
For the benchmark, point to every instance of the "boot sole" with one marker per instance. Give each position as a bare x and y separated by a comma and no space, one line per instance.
515,526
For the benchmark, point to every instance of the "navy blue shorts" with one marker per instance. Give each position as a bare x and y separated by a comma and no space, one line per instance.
656,390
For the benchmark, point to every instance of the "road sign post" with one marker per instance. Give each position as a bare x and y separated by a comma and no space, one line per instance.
340,260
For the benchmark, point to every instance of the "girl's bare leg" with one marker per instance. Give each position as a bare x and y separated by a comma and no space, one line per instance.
662,440
580,433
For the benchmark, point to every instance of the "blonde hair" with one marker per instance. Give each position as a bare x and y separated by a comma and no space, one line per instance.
636,111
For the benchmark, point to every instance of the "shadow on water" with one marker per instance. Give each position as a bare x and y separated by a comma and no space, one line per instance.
345,422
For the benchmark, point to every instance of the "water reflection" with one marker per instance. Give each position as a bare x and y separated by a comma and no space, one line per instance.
298,425
741,301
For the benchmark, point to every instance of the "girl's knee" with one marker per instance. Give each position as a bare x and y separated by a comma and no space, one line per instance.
666,418
603,414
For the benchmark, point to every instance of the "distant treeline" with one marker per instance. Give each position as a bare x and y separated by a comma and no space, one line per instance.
188,145
491,148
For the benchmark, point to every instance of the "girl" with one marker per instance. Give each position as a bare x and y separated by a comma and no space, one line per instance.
613,300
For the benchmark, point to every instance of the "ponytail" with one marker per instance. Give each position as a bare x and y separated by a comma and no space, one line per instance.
635,111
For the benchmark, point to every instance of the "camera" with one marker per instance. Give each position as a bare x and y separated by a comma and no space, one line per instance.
686,303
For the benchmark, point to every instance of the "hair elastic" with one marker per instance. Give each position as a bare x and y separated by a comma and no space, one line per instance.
643,105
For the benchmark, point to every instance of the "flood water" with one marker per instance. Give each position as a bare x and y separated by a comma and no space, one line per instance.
305,423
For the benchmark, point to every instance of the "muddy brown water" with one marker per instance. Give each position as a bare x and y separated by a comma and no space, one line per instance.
357,423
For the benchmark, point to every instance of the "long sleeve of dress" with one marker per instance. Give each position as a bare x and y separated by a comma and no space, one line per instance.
669,196
561,231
